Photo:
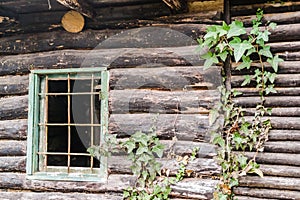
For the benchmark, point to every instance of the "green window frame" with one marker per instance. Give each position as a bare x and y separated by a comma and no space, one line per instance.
40,126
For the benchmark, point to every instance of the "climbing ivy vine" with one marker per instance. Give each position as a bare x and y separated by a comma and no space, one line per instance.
238,133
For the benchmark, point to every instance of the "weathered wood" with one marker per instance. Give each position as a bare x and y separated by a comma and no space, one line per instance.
12,85
200,166
166,78
168,102
282,80
13,164
266,193
293,135
13,107
280,170
115,183
284,91
267,7
271,182
112,58
184,127
284,46
13,129
73,22
58,195
272,101
276,158
279,18
287,111
286,67
239,197
12,148
282,147
288,56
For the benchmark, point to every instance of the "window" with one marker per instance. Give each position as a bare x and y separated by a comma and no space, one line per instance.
68,112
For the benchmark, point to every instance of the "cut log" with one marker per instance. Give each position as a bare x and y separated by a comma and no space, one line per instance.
279,18
115,183
13,107
293,135
288,91
13,85
13,164
282,112
13,129
267,193
290,56
184,127
282,80
12,148
73,22
286,67
266,7
282,147
58,195
112,58
199,167
168,102
272,101
276,158
287,183
280,170
166,78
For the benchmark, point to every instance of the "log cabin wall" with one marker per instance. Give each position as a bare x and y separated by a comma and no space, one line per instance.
31,36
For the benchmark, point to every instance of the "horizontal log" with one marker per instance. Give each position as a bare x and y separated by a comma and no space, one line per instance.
187,127
285,91
58,195
237,10
168,102
293,135
199,167
282,147
115,183
272,182
13,107
285,67
267,193
271,101
13,164
165,78
279,18
12,148
276,158
282,112
290,56
112,58
284,46
282,80
239,197
13,129
11,85
280,170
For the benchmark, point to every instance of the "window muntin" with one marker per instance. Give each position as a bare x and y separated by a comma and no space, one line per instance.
68,112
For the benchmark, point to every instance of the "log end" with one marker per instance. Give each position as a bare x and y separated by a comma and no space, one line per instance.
73,22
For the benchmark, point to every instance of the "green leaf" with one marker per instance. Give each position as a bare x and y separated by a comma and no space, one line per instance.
273,25
265,51
245,64
274,62
223,55
270,89
258,172
263,36
158,149
129,145
210,59
236,93
142,149
272,77
236,29
247,80
213,115
239,48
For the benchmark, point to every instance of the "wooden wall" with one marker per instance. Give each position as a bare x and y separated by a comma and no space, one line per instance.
31,37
